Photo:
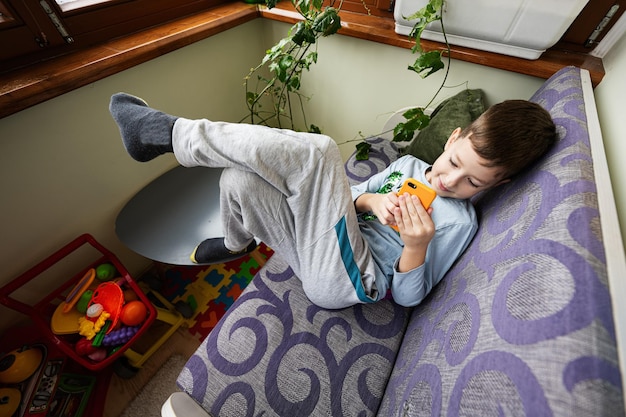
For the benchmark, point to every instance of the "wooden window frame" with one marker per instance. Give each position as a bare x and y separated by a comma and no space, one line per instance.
34,84
33,37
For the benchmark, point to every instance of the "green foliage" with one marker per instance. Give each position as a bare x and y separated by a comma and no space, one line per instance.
286,62
362,151
416,120
426,64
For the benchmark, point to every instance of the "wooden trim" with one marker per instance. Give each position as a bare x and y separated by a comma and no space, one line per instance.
611,232
38,83
382,30
33,85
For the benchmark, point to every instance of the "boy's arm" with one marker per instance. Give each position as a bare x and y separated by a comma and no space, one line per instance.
409,288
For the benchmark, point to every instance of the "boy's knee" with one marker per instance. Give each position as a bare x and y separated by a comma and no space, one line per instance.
329,300
235,179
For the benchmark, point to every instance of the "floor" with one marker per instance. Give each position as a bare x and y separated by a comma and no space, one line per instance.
215,288
123,391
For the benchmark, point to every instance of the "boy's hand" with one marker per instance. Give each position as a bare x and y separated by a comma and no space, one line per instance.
416,230
382,205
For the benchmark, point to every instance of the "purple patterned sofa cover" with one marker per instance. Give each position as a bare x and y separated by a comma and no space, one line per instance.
522,325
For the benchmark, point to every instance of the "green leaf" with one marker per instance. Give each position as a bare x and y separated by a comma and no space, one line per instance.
294,83
314,129
303,5
270,3
284,64
362,151
328,22
302,34
427,63
275,51
251,97
416,120
317,4
425,16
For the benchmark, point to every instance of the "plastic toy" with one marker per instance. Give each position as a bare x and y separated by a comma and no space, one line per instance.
84,347
83,302
88,328
78,290
110,295
105,272
94,310
65,323
99,355
119,337
133,313
19,364
97,341
10,399
40,309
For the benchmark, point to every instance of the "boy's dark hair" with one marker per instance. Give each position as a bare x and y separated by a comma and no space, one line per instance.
512,135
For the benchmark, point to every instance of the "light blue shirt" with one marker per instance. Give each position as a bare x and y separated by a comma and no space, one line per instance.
455,223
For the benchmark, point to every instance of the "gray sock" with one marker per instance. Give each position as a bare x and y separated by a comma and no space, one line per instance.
146,132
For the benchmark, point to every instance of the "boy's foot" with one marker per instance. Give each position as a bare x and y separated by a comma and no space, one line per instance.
213,251
146,132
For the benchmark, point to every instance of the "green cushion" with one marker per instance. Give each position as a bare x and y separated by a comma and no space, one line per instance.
456,111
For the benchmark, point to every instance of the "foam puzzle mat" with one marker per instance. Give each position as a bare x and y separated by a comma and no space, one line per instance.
210,289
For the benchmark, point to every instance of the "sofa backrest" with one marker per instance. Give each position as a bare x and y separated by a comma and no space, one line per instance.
522,324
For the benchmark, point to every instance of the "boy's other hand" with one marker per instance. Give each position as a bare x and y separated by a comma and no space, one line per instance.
416,231
384,207
414,222
381,205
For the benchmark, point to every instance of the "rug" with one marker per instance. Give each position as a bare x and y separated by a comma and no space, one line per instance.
149,401
210,289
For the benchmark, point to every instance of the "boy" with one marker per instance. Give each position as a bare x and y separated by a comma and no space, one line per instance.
289,189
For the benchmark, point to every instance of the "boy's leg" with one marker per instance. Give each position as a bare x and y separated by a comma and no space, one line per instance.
305,168
334,262
252,207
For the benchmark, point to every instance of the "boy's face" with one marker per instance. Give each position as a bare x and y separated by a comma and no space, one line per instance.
459,172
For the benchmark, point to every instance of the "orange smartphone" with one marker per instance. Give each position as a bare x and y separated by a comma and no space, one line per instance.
424,193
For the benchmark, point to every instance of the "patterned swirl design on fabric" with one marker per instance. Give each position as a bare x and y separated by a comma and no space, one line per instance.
310,360
535,334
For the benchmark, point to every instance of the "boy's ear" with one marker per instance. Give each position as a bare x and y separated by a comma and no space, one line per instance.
456,133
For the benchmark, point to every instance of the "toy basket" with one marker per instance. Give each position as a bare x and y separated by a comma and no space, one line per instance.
30,294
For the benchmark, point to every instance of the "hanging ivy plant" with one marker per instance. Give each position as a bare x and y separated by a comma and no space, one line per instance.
276,100
426,64
286,62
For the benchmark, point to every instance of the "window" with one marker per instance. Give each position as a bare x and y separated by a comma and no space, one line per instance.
591,25
33,30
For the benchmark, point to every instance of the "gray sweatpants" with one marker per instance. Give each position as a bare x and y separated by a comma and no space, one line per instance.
288,189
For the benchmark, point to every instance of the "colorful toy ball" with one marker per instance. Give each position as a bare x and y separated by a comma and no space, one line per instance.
133,313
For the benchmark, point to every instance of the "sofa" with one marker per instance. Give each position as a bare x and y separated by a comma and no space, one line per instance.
522,324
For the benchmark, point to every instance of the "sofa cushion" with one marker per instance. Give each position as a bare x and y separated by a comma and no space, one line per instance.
276,354
456,111
522,324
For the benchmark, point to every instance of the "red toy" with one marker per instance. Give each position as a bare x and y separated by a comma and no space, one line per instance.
41,312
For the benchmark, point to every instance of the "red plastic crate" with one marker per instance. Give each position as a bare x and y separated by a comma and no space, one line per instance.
40,311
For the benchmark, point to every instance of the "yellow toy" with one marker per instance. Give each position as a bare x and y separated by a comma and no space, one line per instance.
88,328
